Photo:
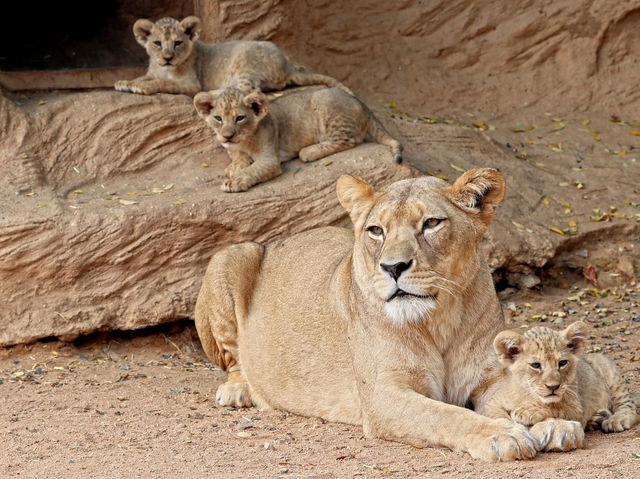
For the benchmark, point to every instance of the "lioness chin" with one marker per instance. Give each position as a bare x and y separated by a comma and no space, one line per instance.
389,326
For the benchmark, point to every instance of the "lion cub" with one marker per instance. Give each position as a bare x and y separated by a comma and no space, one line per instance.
545,377
310,124
179,63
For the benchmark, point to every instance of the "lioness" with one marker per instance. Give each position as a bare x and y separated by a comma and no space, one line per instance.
545,377
179,63
310,124
389,326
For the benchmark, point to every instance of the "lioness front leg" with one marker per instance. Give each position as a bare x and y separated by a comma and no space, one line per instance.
222,302
325,148
558,435
263,169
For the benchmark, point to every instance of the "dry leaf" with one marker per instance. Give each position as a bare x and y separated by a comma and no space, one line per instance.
77,192
480,125
589,272
179,202
457,168
243,434
128,202
328,163
392,104
635,132
585,122
204,165
556,230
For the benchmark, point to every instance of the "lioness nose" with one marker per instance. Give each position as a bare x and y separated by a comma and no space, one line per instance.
552,387
396,269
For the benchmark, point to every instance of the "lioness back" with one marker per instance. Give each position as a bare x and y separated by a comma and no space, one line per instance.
307,263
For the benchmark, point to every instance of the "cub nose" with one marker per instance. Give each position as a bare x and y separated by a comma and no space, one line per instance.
228,136
552,387
168,59
396,269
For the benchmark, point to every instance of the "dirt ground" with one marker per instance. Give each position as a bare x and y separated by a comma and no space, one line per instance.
142,404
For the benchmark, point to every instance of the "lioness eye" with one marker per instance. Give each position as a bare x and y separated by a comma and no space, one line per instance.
239,118
374,230
535,365
431,223
177,42
157,43
562,363
217,118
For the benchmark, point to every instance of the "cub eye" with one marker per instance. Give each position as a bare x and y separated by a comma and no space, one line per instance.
535,365
431,223
177,42
562,363
217,118
239,118
374,231
157,43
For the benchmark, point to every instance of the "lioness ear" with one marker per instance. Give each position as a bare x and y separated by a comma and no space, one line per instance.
479,191
203,102
508,345
141,30
191,27
258,103
575,336
355,195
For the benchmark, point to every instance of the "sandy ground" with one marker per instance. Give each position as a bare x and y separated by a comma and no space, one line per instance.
142,405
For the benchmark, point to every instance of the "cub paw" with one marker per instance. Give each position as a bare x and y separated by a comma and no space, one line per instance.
528,416
234,393
123,85
558,435
618,423
234,185
507,441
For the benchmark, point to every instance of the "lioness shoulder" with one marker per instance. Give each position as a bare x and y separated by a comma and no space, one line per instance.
546,376
309,124
180,63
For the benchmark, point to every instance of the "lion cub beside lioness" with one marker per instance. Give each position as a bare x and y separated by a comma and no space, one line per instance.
310,124
179,63
545,377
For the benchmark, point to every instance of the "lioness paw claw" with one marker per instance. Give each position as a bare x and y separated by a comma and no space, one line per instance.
558,435
513,443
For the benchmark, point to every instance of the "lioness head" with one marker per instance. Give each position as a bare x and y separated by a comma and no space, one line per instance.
543,360
416,242
232,114
168,42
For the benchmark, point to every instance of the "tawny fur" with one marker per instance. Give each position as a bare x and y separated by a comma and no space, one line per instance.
311,124
305,319
179,63
545,376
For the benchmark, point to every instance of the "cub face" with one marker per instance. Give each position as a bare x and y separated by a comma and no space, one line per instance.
169,43
543,361
232,114
417,242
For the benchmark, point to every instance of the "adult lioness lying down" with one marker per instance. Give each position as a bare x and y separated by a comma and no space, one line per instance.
390,327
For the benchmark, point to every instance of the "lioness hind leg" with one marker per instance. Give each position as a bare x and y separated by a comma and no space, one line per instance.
325,148
221,306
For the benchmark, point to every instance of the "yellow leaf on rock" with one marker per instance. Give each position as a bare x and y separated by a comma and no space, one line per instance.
635,132
585,122
179,202
457,168
77,192
204,165
556,230
481,125
572,224
128,202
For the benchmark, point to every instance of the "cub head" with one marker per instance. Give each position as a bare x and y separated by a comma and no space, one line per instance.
417,241
232,114
168,42
543,361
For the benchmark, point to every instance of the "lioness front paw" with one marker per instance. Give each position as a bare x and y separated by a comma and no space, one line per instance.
558,435
528,416
234,393
507,441
234,185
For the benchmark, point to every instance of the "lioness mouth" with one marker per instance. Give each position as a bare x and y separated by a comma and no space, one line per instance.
400,293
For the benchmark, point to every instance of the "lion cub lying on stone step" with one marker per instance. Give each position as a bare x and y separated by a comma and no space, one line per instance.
179,63
545,377
310,124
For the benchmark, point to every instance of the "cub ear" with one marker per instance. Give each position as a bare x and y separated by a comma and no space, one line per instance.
508,345
479,191
258,103
203,102
356,196
191,26
142,29
575,336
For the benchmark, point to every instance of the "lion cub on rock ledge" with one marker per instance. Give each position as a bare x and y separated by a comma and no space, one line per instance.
310,124
545,377
178,63
388,325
